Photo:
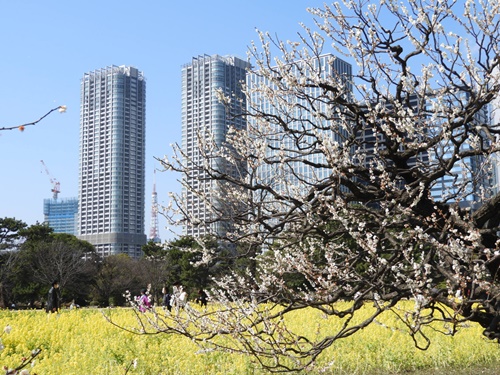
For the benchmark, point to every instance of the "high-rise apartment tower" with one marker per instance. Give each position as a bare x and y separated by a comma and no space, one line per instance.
112,160
203,115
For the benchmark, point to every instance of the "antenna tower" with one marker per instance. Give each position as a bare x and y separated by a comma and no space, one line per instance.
153,230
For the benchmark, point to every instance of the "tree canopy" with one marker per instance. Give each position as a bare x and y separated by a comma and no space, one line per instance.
9,232
408,208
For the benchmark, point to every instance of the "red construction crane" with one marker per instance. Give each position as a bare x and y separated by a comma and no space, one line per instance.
55,184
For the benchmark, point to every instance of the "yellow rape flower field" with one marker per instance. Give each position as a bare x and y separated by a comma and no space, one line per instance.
82,342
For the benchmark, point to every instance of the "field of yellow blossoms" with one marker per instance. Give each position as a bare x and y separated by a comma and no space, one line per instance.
82,342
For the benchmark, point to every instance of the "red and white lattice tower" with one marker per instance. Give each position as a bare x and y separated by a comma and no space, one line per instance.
153,230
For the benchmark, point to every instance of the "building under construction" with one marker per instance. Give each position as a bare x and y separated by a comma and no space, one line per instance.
61,214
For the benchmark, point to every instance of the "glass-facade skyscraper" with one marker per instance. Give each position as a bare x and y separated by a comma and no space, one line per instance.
472,179
112,160
301,169
203,115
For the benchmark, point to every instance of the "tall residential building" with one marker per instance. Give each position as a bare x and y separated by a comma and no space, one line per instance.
112,160
204,116
61,214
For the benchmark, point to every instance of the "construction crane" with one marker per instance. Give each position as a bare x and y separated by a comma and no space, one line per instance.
55,184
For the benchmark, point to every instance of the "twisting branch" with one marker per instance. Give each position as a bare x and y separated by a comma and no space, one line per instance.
24,362
61,109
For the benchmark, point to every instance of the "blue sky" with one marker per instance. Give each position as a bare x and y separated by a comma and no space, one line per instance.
47,46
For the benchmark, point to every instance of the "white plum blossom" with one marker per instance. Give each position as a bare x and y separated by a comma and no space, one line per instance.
355,183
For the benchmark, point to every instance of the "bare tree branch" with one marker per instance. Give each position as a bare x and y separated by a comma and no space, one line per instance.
61,109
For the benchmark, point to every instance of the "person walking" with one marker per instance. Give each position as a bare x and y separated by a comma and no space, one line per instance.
202,298
167,298
54,298
143,301
182,298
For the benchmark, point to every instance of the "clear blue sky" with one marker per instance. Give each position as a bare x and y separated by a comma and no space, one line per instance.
47,46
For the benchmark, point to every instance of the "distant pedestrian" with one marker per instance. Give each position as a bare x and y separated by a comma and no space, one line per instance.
167,298
143,301
202,298
180,297
54,298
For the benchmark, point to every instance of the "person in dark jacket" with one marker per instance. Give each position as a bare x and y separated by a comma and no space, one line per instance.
167,298
202,298
54,298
